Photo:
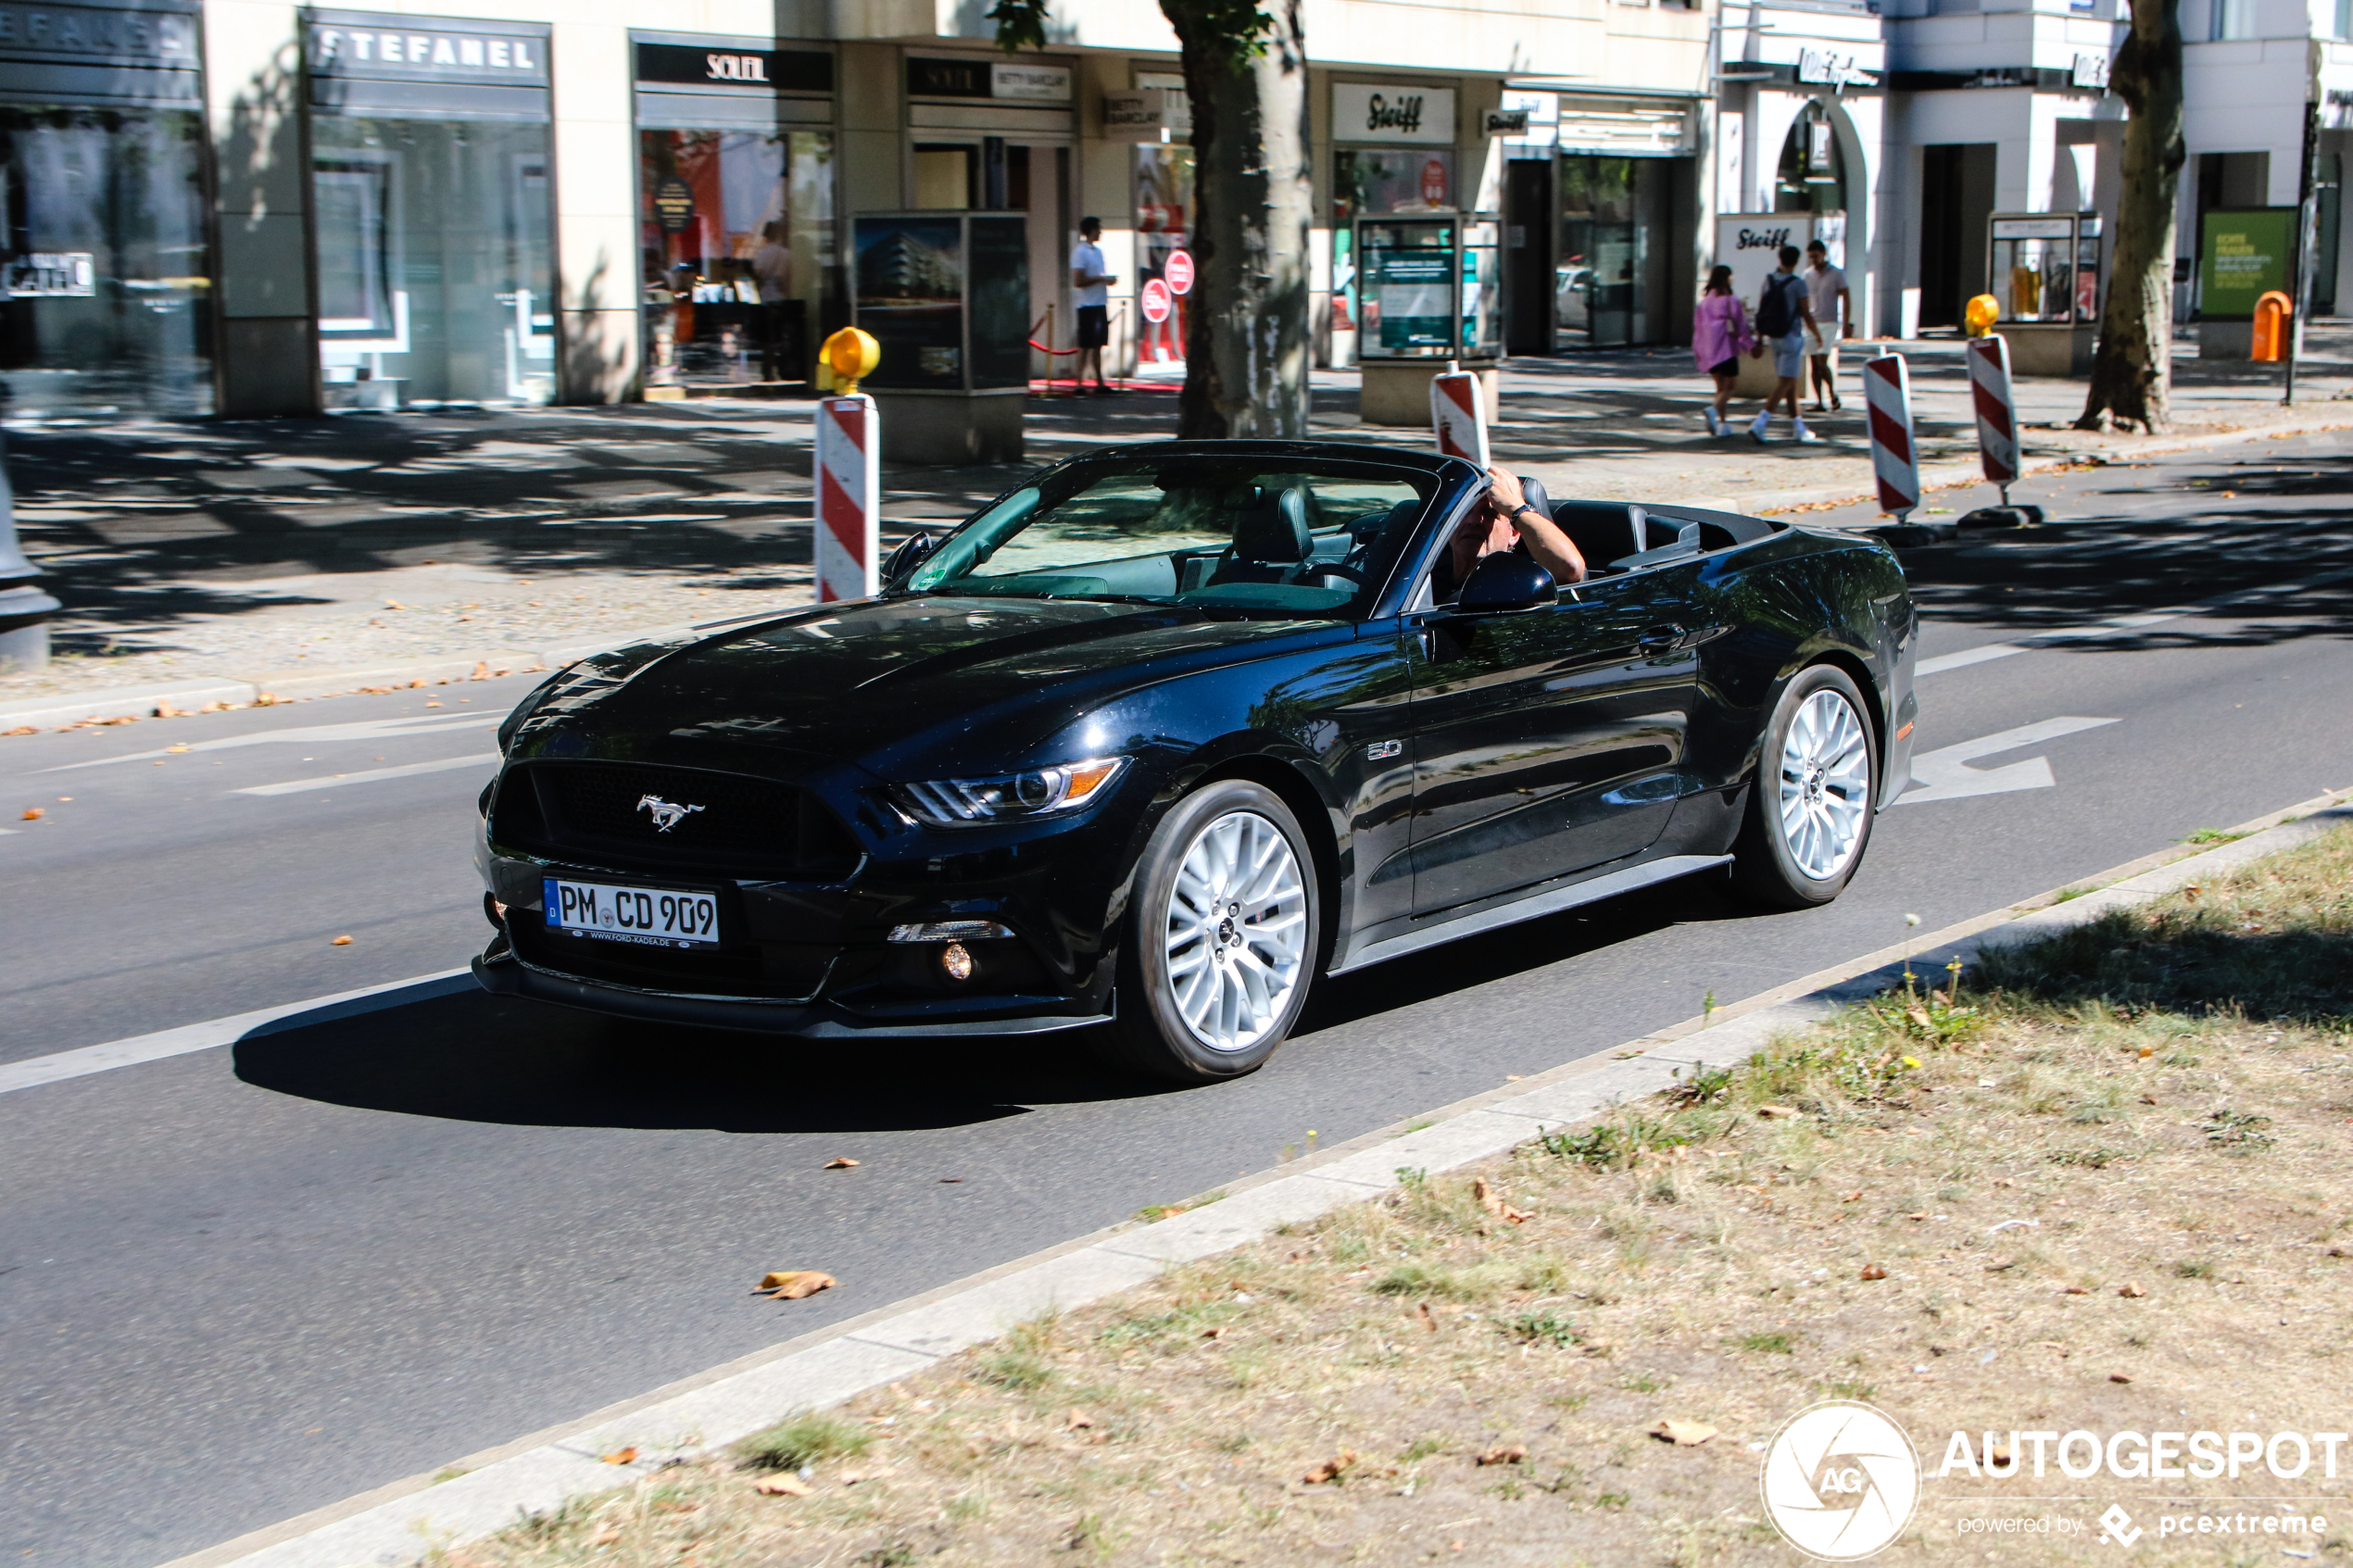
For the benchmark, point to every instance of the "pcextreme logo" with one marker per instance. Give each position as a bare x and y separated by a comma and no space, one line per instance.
1841,1480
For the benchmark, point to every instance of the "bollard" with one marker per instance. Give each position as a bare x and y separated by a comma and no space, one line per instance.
24,608
1887,394
1458,415
2273,310
848,473
1997,406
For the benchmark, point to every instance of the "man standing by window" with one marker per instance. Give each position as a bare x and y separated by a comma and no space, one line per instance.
1091,286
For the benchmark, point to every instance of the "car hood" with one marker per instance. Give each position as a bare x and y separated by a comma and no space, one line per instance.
860,679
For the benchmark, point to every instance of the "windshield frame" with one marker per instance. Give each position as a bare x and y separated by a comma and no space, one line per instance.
1441,483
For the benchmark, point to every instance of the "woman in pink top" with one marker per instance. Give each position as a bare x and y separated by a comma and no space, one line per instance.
1719,336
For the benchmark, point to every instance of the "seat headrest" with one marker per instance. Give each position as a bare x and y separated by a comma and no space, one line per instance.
1271,526
1601,531
1533,488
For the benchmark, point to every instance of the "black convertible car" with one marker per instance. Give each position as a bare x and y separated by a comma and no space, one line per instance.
1160,736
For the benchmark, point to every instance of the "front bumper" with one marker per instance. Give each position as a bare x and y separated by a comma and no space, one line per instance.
503,975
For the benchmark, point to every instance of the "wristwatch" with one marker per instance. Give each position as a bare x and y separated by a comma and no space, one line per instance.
1513,516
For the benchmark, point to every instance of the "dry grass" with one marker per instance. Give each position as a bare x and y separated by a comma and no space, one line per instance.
2162,1098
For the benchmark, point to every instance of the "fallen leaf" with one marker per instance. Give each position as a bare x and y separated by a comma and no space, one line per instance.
2119,1378
1331,1468
1872,1271
2148,1099
2130,1290
1921,1215
177,745
2004,1182
791,1285
2147,1052
1852,1197
33,813
2075,1290
1770,1110
606,1536
620,1456
853,1478
22,730
783,1483
1918,1016
841,1163
482,669
1079,1419
1429,1322
1513,1454
1998,1456
394,604
1216,1333
340,941
1683,1433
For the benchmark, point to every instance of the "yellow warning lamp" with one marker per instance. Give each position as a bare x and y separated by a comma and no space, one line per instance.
2271,313
851,355
1984,312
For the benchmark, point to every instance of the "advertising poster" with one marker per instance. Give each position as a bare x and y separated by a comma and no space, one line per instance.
2240,256
911,296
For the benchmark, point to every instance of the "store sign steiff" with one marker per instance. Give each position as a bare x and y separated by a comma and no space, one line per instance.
427,49
780,70
86,35
1821,67
961,77
1365,111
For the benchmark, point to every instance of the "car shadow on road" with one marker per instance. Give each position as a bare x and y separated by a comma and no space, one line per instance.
473,1058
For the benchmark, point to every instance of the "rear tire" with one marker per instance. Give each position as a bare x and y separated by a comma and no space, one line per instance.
1221,938
1816,789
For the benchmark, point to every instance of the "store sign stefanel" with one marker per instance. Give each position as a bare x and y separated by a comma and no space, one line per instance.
426,49
89,34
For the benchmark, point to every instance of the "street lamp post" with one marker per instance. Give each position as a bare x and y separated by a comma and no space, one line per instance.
24,608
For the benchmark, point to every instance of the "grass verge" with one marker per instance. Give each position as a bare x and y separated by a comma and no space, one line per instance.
2102,1183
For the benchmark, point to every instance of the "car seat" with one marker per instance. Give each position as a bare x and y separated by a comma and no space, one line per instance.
1602,531
1271,536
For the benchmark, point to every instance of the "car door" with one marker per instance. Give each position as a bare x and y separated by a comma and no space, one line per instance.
1546,741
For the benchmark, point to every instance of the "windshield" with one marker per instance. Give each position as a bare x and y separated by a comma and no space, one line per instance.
1224,533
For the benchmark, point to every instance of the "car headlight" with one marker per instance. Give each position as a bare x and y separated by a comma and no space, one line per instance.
1040,792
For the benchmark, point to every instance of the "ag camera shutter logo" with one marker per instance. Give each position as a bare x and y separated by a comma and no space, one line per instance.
1841,1481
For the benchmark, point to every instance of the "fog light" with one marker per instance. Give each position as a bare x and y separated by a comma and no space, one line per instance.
956,963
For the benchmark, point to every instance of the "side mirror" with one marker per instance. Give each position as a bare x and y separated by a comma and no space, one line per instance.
912,552
1506,581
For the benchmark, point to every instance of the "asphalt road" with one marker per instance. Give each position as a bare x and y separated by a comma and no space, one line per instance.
241,1284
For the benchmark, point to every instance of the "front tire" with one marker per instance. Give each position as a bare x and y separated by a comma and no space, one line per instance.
1221,937
1816,789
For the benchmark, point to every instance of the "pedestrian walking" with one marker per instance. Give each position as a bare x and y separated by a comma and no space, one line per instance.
1719,336
1784,314
1826,292
1089,285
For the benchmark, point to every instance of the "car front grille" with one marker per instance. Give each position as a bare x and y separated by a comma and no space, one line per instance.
609,814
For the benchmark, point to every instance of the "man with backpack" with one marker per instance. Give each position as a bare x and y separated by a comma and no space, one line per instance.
1784,315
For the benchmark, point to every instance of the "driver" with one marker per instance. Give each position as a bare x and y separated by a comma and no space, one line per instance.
1509,521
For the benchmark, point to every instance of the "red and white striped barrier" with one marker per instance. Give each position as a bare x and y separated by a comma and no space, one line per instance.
1989,387
1459,415
849,498
1887,393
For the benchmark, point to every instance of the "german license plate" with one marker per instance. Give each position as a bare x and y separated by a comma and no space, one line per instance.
652,917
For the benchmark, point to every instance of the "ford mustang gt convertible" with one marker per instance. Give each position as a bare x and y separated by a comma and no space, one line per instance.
1153,742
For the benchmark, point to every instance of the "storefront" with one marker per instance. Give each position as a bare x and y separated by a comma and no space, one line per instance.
736,164
432,202
1393,151
107,309
986,133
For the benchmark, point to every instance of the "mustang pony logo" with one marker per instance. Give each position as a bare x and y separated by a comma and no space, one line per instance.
666,816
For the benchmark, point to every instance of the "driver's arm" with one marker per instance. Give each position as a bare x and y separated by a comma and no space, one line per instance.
1546,542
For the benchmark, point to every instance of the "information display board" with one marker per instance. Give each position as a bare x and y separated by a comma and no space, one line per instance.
2242,255
1426,287
947,296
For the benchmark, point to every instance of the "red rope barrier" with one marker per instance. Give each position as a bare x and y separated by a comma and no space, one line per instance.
1043,349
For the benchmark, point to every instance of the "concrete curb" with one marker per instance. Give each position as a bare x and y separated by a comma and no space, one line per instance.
398,1524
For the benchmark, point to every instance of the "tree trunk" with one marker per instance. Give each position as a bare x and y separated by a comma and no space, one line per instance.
2132,375
1246,344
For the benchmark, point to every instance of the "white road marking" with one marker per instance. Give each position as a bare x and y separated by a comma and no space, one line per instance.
1990,651
57,1068
1945,774
368,729
406,769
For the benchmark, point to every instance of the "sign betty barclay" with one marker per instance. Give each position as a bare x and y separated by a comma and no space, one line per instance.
1842,1481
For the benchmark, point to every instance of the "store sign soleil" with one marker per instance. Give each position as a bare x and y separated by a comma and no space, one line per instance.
428,51
960,77
1365,111
783,70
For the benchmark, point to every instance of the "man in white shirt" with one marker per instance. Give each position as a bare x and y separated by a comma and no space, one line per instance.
1826,290
1089,283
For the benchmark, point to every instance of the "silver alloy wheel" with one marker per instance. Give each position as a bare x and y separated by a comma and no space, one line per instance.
1826,784
1237,930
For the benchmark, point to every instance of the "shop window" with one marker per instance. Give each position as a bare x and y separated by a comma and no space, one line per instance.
1811,175
946,178
737,231
1620,228
1164,214
2231,20
107,306
435,261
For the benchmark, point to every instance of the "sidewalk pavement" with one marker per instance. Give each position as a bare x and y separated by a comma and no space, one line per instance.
211,562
